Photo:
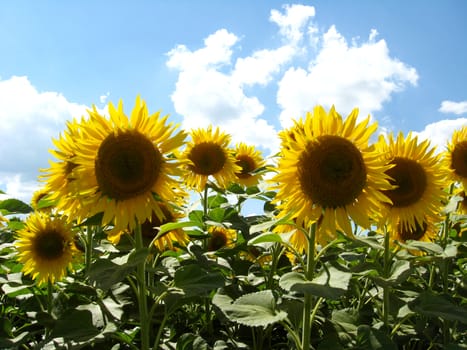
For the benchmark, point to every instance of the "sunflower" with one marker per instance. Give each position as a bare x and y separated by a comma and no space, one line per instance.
287,136
37,196
249,160
296,238
456,156
418,177
124,167
2,219
220,237
207,154
329,175
462,204
58,177
150,229
425,231
46,247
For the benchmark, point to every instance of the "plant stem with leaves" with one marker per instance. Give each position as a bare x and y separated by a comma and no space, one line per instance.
308,302
142,299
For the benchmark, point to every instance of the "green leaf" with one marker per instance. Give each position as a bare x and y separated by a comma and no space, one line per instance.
433,305
175,226
216,201
331,283
76,325
254,309
190,341
373,339
429,247
15,206
266,237
105,273
194,280
400,271
265,226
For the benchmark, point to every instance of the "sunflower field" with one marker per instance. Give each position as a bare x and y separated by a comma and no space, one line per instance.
139,238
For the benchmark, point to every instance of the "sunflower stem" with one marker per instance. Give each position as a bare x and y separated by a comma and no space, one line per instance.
49,296
142,300
386,270
88,248
308,298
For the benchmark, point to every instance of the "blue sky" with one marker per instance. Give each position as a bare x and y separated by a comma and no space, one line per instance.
246,66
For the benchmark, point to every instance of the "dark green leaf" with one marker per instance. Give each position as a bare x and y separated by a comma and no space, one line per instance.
373,339
194,280
433,305
331,283
106,273
254,309
15,206
75,325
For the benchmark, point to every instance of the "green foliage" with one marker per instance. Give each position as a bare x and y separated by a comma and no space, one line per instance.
245,296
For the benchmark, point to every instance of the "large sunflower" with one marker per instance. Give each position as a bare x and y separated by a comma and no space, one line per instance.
249,160
329,175
207,154
46,247
456,156
124,166
418,177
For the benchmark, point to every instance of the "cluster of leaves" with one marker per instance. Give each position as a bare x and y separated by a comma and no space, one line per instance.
245,296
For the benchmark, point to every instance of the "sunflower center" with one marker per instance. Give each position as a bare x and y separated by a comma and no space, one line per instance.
208,158
127,165
410,179
218,240
247,164
459,159
49,245
332,171
406,232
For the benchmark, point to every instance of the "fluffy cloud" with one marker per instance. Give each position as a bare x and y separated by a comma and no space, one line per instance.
439,133
214,86
29,119
343,75
211,87
457,108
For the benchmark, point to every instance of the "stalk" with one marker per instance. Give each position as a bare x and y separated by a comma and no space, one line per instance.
142,300
386,275
308,302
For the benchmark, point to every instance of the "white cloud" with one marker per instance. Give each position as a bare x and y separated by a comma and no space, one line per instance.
440,132
29,119
363,76
210,87
292,22
457,108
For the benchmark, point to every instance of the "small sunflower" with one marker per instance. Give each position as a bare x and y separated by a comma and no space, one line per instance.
37,196
425,231
328,174
418,178
150,229
462,204
46,247
249,160
220,237
58,178
207,154
124,167
456,156
296,238
287,136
